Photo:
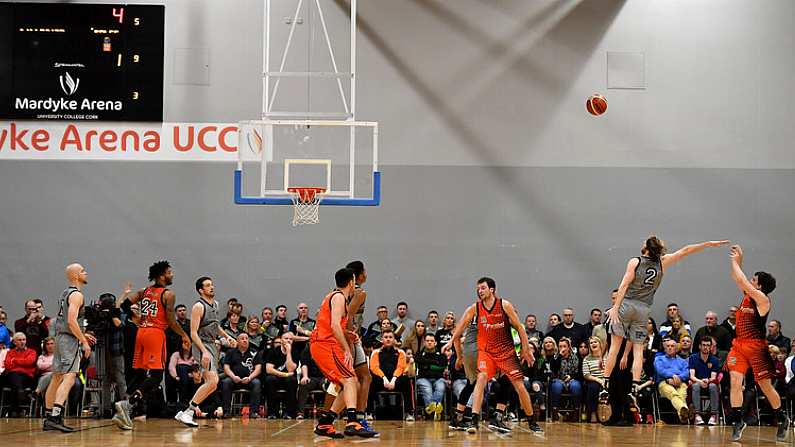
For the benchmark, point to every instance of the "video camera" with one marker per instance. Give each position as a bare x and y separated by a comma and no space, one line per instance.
100,314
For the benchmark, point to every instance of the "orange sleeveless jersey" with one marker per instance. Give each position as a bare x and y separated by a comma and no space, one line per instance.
750,325
153,310
323,332
494,328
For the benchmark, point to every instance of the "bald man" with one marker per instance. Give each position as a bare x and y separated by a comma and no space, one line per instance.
68,341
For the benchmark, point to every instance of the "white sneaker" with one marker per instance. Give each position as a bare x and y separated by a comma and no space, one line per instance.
713,420
409,417
186,417
699,420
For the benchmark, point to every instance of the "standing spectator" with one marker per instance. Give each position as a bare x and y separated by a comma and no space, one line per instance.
671,312
432,322
34,325
531,329
722,337
554,320
445,333
596,320
280,369
388,363
686,347
280,320
566,373
5,336
730,323
179,366
568,328
593,372
242,372
775,337
113,340
311,380
414,340
654,341
703,376
301,327
20,366
402,320
672,377
255,336
430,376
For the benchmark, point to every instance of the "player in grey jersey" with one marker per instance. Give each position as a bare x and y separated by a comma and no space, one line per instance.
204,330
630,313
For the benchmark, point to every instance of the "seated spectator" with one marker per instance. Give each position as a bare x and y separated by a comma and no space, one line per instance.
596,320
5,336
593,372
445,333
678,331
44,365
210,406
646,388
268,330
34,324
686,347
565,377
775,337
458,377
430,377
242,373
414,340
712,329
179,366
255,337
301,327
788,366
432,322
530,328
3,353
730,323
281,370
280,320
233,326
667,326
780,372
20,366
549,350
554,320
672,375
311,379
703,377
387,364
231,303
568,328
385,325
534,376
373,332
601,329
653,340
411,365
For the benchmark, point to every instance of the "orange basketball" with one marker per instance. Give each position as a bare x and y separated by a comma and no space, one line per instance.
596,104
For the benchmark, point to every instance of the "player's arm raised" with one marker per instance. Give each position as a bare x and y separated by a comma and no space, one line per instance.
671,259
629,276
761,300
510,312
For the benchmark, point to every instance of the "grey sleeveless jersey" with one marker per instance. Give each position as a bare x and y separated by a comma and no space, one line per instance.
648,276
471,336
358,319
61,325
209,325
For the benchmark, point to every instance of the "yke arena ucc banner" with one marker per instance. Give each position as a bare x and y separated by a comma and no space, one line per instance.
36,140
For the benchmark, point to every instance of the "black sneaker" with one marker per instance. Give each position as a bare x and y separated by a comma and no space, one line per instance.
497,424
53,424
455,422
783,428
327,430
535,428
356,429
474,424
737,432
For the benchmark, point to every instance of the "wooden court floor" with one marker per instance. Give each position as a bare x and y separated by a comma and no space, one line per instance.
236,432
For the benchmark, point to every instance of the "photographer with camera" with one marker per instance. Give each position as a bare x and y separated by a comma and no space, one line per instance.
34,324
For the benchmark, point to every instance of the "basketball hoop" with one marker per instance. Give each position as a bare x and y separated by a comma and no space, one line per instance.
306,205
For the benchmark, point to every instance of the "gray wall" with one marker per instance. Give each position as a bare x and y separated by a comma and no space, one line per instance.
481,105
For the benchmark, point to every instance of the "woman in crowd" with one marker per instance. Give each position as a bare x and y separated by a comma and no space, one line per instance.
593,372
414,341
566,377
179,366
554,320
534,377
654,341
255,337
44,365
446,331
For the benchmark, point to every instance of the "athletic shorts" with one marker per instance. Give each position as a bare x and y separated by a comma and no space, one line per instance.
633,316
752,354
330,359
470,361
150,349
508,364
359,357
210,346
67,354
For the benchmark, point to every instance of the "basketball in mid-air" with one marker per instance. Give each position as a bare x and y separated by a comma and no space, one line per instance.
596,104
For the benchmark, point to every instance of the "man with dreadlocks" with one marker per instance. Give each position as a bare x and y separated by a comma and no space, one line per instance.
156,307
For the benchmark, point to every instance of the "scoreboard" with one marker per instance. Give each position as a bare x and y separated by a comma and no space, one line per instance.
77,61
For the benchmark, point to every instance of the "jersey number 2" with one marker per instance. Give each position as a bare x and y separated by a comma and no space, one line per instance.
650,275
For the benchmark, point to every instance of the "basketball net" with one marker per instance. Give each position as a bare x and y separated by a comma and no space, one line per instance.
306,205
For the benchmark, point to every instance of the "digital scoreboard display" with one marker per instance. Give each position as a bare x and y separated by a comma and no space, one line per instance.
71,61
